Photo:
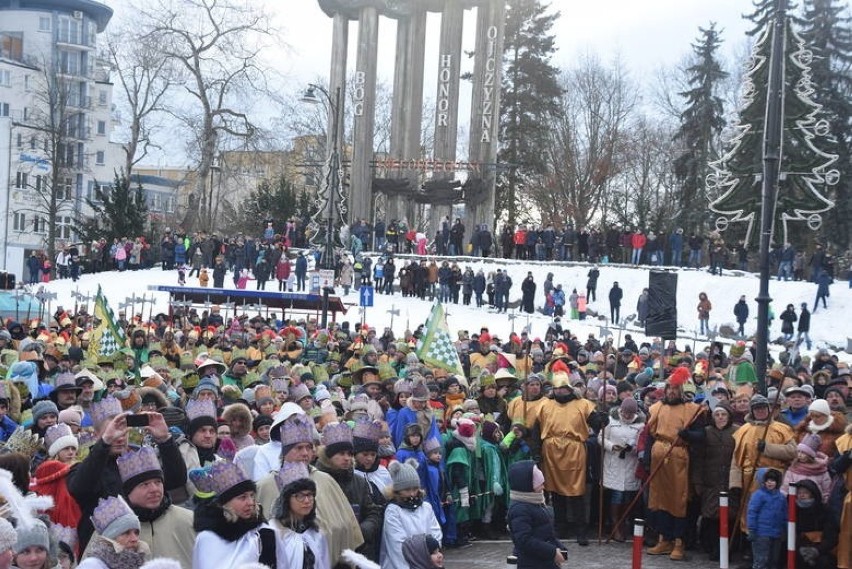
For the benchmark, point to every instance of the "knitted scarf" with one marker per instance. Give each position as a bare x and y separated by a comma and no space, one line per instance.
536,498
115,556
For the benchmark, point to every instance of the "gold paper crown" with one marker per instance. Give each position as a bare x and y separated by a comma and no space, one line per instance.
23,441
134,463
226,475
291,472
196,408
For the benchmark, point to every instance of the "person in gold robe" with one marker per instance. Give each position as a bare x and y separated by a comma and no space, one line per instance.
843,467
564,423
669,424
762,442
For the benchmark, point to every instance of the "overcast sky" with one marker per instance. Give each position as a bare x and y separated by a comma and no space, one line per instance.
644,34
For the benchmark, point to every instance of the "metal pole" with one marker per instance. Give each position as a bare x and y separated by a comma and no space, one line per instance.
771,166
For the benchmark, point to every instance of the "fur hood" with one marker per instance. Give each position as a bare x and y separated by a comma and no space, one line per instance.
640,416
154,393
241,413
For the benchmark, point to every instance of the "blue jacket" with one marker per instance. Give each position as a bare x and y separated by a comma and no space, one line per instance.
7,427
767,511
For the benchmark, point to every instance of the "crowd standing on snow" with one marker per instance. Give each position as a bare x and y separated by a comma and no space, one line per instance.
258,440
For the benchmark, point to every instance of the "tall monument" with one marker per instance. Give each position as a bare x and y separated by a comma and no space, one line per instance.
398,178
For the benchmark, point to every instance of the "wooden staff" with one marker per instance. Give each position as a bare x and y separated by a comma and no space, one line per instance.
653,474
747,487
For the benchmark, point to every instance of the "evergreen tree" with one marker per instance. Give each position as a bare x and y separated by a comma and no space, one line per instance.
119,210
829,35
530,95
275,200
701,124
806,169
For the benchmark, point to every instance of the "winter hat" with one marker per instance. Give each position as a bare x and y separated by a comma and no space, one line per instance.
809,445
59,437
33,536
466,428
8,537
366,435
419,392
772,474
404,475
337,438
299,392
607,389
629,406
43,408
758,400
537,477
820,406
261,421
71,416
201,413
488,430
136,467
112,517
431,445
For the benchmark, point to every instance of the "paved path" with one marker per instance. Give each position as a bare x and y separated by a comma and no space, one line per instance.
492,555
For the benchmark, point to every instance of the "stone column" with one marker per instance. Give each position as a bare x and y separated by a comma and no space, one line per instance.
447,99
415,55
337,74
485,105
364,110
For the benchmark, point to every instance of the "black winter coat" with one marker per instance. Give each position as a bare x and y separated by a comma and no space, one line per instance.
531,527
97,477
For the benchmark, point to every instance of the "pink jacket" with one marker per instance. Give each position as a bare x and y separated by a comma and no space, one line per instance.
816,471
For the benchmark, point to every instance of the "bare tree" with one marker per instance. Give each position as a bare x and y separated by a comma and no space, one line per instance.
587,141
642,195
57,126
144,76
215,48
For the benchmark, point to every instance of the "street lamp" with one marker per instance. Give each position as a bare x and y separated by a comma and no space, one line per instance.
333,180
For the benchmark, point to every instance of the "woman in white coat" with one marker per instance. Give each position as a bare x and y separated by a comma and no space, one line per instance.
230,526
407,514
116,544
620,459
300,543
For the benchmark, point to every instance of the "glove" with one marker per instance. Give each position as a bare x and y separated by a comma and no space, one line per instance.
761,446
809,554
464,498
498,489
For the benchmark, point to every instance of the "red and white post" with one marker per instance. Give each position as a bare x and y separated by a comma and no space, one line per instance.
791,526
638,539
723,530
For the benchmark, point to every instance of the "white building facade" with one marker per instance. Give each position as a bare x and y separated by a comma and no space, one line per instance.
50,42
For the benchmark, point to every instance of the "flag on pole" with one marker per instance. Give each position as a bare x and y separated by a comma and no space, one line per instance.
107,337
436,347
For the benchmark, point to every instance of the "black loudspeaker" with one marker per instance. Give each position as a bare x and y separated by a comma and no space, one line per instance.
662,305
7,281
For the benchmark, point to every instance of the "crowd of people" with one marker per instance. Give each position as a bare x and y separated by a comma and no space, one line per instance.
212,442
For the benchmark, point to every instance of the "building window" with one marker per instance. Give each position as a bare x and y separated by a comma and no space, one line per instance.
38,181
63,227
44,23
21,180
99,158
26,113
102,98
102,128
20,140
20,222
5,78
33,142
66,189
4,109
39,225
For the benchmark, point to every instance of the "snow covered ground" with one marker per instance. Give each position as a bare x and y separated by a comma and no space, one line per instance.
828,327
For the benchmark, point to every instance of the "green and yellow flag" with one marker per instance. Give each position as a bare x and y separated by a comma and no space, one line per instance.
107,337
436,348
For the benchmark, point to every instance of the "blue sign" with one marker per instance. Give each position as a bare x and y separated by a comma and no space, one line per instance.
366,296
